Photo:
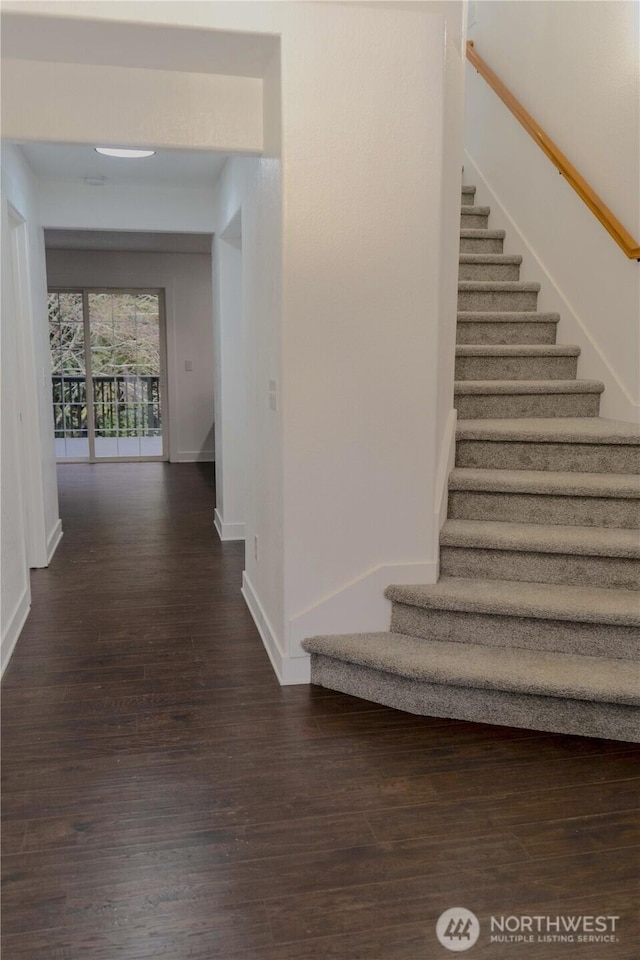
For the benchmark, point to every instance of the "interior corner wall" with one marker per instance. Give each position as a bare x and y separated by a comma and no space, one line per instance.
250,189
230,383
186,280
363,296
452,152
574,67
19,191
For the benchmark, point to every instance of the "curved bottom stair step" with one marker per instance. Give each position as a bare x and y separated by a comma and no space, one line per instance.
530,712
543,673
534,689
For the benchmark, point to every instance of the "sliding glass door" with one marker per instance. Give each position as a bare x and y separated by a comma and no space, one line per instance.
108,353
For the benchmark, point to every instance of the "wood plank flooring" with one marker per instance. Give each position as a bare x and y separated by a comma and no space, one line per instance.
165,798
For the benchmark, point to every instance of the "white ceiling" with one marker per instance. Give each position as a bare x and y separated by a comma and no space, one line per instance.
168,168
127,241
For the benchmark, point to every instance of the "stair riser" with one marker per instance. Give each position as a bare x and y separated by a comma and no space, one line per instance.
498,301
481,244
577,457
480,564
503,333
516,368
580,717
474,221
489,271
467,199
561,636
487,406
544,508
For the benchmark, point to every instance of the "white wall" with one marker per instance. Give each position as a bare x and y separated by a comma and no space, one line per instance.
71,100
26,391
186,280
575,67
76,205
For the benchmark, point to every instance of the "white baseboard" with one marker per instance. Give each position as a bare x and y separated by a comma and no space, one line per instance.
445,466
53,540
195,456
572,327
227,531
358,607
14,628
288,670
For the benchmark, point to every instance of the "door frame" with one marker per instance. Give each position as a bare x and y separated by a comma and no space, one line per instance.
164,392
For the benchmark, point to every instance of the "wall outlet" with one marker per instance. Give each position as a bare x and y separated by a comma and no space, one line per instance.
255,547
188,366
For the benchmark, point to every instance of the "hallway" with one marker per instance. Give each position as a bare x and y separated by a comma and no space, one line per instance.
164,797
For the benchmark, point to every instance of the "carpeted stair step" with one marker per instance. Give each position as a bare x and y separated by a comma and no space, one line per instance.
575,444
506,327
540,553
595,621
531,689
468,194
474,218
489,266
540,496
474,240
488,399
516,362
483,295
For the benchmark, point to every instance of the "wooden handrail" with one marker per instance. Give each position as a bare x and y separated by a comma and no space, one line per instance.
595,203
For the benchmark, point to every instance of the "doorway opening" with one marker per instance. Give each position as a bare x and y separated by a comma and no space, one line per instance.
108,358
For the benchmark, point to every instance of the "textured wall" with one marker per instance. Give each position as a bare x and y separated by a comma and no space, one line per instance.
575,67
76,102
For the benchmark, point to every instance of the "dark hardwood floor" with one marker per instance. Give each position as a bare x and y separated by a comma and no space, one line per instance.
165,798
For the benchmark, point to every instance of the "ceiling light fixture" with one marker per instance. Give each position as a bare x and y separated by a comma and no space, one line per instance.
124,154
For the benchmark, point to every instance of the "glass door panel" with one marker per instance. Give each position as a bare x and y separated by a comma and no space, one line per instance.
126,369
68,369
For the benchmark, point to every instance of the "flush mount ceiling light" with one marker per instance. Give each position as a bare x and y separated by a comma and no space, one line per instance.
124,154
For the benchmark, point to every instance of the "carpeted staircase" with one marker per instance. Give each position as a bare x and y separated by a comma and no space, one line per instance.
534,621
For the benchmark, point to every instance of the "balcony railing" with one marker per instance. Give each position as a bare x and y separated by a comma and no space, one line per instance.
123,406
